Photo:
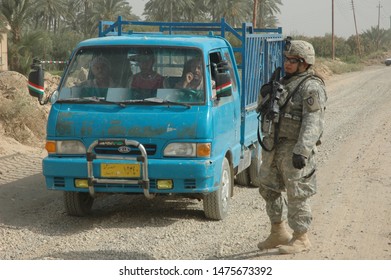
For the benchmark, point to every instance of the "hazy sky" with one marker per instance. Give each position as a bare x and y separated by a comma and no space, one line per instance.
314,17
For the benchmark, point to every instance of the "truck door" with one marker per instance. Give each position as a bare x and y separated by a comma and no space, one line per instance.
226,110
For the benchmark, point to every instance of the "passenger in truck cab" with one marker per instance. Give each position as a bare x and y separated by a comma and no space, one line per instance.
100,73
147,81
192,75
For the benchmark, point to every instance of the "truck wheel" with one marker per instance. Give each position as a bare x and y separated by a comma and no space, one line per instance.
243,178
254,173
216,204
78,203
250,176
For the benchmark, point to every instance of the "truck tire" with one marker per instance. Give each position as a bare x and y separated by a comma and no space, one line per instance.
250,176
254,173
77,203
243,178
216,204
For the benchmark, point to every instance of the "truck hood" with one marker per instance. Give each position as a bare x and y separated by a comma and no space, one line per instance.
136,121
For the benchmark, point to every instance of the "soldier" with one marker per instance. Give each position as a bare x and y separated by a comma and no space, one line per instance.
287,173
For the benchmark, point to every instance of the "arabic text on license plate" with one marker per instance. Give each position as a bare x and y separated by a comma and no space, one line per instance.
120,170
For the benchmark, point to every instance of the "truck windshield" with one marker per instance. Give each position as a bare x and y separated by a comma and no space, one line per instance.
120,74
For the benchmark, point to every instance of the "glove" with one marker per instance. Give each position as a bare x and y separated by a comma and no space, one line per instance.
298,161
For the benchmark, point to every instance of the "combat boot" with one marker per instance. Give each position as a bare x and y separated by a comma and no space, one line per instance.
278,236
299,243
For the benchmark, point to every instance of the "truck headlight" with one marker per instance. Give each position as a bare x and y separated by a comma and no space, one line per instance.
66,147
188,150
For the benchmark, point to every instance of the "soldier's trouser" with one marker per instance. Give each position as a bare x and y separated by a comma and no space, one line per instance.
277,176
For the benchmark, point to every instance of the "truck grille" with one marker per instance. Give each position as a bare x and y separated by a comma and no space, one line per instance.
113,150
190,184
152,185
59,182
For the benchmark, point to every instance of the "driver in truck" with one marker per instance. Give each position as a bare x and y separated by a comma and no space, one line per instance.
147,81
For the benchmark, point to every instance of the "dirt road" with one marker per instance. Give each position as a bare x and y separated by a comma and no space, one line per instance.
352,209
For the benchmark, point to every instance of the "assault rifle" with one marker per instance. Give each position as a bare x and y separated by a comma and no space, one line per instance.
269,108
271,94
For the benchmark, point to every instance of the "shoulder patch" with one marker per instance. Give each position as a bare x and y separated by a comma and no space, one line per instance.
312,102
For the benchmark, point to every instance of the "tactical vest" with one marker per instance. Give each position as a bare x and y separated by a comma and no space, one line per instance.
291,107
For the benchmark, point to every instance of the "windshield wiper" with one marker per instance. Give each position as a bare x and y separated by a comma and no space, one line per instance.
166,102
93,99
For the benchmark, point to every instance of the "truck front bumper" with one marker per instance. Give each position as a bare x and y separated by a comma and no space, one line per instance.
180,176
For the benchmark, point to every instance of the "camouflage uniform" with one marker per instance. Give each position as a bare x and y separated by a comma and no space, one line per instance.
300,128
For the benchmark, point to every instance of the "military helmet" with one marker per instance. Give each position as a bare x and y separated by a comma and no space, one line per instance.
301,49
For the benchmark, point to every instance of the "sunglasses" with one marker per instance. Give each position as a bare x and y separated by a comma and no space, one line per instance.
292,60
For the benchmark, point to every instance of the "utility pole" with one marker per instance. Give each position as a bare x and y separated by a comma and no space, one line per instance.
378,17
255,12
378,26
357,36
171,10
332,30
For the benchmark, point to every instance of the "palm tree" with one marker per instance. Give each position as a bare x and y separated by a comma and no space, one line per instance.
79,16
16,12
83,17
374,38
107,10
51,13
266,12
110,9
234,11
195,11
169,10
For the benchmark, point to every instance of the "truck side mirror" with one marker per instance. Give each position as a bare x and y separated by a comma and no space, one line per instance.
223,84
223,66
36,81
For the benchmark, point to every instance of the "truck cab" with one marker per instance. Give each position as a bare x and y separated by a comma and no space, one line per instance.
153,113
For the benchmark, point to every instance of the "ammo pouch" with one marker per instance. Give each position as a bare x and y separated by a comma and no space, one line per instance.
289,126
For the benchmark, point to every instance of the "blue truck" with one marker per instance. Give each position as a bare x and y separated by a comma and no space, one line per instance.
160,135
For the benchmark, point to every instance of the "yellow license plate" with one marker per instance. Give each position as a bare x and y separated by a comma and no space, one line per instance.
119,170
